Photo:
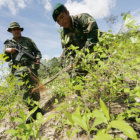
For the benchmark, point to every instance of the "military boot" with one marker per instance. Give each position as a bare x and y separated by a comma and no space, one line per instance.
34,116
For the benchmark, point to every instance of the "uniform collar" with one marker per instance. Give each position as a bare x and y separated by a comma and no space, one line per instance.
73,22
13,39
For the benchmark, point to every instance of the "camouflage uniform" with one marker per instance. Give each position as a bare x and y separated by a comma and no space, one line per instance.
23,67
26,66
84,34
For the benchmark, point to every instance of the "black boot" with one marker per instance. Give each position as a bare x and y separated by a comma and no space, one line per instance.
34,115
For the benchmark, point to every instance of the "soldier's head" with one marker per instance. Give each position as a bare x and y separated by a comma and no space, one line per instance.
15,29
61,16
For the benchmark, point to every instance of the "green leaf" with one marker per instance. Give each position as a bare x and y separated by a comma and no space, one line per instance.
125,127
69,117
104,109
68,133
100,118
67,38
16,119
124,17
40,118
85,121
31,112
103,137
71,134
22,126
83,125
77,119
127,90
56,101
76,116
12,132
24,137
50,117
138,120
137,91
74,132
22,114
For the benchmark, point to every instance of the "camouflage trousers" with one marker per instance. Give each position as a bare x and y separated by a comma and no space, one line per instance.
26,82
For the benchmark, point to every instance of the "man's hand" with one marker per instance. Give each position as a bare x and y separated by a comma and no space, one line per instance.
11,50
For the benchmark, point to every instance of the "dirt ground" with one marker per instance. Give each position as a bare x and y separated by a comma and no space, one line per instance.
50,131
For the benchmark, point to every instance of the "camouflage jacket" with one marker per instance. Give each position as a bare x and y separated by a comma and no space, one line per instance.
84,32
27,45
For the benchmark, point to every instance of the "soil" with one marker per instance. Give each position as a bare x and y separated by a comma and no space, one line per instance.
53,129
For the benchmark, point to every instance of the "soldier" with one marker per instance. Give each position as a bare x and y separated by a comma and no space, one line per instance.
81,29
25,64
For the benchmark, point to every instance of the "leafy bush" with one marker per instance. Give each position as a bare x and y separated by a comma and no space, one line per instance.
49,68
113,76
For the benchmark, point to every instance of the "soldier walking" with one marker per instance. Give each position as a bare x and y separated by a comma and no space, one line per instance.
27,67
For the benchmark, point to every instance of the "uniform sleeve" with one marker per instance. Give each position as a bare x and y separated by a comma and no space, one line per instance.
90,28
36,51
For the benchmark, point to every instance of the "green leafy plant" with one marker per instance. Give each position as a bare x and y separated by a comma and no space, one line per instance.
101,116
25,131
113,77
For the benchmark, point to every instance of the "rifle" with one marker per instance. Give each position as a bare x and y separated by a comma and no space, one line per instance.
21,51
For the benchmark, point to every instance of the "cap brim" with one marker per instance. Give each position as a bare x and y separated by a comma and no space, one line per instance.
9,29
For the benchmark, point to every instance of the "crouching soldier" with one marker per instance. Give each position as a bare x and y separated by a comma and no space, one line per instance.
82,31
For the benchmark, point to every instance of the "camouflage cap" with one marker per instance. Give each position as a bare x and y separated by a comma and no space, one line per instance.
14,25
57,10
